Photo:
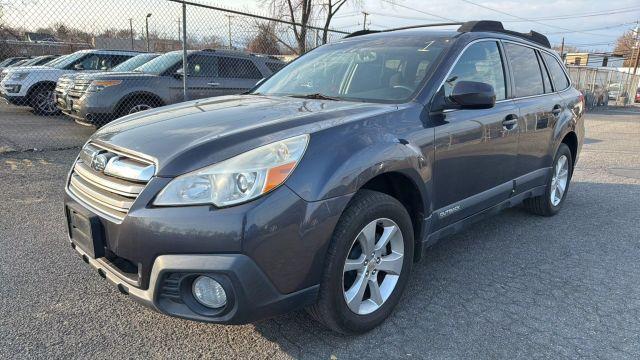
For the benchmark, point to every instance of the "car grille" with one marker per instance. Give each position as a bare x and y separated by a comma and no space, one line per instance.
109,181
63,84
79,87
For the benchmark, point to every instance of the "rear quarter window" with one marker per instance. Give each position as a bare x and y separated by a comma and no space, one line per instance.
558,76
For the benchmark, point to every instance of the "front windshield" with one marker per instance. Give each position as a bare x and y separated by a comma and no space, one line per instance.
161,64
388,69
134,62
56,60
68,60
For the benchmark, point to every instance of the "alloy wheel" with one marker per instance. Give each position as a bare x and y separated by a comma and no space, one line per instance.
373,266
559,180
45,101
139,107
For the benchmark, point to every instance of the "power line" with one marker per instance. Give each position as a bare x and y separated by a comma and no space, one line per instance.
529,20
588,14
420,11
592,29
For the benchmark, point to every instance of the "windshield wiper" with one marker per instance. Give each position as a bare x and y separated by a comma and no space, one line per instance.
316,96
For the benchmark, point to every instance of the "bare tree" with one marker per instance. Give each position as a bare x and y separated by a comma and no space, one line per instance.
626,46
298,14
265,41
332,7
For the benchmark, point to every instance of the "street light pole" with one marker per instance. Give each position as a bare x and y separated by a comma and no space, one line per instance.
229,17
131,30
146,20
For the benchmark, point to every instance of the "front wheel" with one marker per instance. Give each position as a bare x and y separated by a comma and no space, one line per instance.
551,202
368,264
43,100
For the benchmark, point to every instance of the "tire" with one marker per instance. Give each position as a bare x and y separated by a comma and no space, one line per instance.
384,212
42,100
546,205
137,104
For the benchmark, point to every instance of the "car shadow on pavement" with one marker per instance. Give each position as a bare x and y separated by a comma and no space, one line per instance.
512,285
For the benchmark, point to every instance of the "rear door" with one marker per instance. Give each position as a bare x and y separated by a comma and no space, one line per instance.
475,150
538,105
202,81
237,75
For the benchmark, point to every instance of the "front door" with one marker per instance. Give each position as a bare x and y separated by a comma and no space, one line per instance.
475,150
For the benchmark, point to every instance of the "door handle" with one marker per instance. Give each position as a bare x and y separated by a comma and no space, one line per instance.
214,84
510,122
556,110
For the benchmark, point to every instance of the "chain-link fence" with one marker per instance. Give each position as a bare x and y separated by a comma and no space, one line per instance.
69,66
602,86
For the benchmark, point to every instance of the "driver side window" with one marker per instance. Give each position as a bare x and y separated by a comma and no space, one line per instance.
480,62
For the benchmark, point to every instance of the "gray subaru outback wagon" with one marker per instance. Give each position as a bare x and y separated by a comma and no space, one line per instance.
321,186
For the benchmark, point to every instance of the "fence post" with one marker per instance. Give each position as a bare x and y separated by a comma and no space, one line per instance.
184,51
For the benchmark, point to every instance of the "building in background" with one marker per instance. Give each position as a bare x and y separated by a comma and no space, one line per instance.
594,59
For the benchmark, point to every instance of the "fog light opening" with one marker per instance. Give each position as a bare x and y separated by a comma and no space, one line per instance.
209,292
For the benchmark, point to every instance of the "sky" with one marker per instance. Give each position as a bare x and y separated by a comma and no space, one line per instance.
591,30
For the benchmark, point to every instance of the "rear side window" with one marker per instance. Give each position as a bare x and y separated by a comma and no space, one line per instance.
526,71
202,66
558,76
480,62
238,68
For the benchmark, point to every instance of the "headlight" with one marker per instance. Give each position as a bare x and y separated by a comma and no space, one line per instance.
19,76
239,179
98,85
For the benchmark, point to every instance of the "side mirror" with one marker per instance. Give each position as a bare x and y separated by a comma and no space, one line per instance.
472,95
78,67
179,73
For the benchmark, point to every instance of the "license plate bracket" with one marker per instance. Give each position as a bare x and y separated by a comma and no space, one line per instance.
86,231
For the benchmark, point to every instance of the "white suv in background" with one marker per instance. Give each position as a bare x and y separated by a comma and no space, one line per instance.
34,85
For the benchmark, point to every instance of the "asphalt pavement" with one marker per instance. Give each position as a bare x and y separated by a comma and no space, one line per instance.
513,286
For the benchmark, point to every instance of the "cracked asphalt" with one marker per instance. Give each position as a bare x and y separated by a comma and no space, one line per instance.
513,286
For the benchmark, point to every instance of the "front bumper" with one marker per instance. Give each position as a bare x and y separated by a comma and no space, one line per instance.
268,254
14,99
250,294
88,107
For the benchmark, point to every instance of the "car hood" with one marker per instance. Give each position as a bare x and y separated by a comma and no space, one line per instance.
38,68
191,135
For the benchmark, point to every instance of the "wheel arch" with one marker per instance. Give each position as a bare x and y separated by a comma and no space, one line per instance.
403,187
38,85
571,140
136,95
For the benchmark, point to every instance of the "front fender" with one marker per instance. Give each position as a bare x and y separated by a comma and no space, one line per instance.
330,169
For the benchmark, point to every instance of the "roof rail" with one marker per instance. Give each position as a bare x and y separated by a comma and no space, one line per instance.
470,26
496,26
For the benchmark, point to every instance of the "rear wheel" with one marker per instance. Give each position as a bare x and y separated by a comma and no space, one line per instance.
551,202
368,264
43,100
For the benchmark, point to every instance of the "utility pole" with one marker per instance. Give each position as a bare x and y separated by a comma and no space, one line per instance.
229,17
364,24
562,50
179,30
131,30
146,19
635,65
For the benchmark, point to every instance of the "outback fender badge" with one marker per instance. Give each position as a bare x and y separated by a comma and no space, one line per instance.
447,212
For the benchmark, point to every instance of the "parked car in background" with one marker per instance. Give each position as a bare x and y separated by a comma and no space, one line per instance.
34,85
614,91
637,96
10,61
66,82
99,98
39,60
321,186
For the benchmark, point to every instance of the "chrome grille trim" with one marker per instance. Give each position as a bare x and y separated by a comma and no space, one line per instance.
108,195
